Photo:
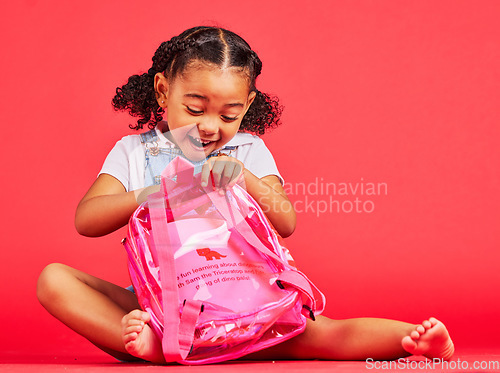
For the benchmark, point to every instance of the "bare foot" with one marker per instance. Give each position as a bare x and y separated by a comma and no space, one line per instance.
430,339
139,339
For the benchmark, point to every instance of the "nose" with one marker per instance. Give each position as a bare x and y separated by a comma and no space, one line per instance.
208,126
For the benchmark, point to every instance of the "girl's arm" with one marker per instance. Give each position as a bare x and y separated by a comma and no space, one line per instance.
224,171
105,207
271,197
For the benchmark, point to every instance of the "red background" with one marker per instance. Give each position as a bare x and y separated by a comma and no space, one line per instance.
398,92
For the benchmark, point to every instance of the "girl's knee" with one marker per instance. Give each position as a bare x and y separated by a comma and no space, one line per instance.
51,281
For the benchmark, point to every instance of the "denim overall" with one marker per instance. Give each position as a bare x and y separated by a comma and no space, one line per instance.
158,158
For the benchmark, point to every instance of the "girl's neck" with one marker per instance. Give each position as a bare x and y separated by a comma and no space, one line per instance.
163,127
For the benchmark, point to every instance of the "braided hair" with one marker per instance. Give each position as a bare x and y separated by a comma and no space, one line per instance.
210,45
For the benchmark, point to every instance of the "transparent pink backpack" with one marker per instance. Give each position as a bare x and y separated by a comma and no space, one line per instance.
213,273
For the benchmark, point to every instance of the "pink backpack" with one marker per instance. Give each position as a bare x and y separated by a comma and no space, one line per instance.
213,273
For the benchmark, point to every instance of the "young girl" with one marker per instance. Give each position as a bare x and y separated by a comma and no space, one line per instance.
204,82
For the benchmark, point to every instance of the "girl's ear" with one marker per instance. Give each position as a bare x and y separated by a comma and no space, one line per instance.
161,89
250,99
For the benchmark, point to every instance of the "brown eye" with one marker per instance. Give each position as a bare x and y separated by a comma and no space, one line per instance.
228,119
192,111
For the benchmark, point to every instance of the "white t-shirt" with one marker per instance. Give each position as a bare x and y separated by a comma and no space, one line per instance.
126,161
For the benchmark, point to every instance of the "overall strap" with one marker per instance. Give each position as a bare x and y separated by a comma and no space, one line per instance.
149,136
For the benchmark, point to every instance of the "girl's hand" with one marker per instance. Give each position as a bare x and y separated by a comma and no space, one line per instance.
222,172
141,195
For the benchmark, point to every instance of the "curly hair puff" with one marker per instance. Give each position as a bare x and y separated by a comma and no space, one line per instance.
211,45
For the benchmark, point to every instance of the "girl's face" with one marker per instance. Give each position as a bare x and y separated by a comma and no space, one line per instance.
204,107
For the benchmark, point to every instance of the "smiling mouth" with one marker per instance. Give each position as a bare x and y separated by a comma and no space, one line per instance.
200,143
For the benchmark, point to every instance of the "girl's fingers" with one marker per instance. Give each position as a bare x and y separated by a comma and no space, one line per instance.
141,195
205,173
236,176
227,174
217,170
223,171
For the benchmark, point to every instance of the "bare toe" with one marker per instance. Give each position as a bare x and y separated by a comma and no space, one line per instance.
415,335
431,339
408,343
426,324
139,339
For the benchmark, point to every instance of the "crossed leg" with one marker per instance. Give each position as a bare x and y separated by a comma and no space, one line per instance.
327,339
363,338
109,317
92,307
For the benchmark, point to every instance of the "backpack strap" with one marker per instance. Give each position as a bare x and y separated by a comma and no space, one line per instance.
299,281
178,331
291,276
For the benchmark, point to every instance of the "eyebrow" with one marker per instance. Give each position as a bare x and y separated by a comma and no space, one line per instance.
194,95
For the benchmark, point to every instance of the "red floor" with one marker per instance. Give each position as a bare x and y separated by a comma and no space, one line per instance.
469,360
